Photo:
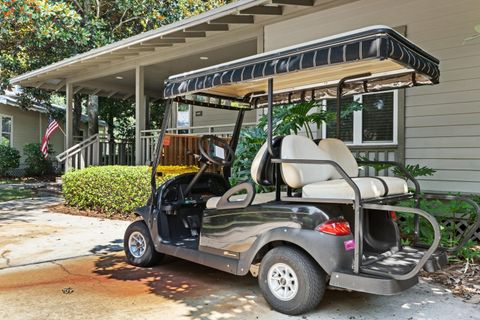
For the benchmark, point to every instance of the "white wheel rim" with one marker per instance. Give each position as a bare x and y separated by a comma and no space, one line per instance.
282,281
137,245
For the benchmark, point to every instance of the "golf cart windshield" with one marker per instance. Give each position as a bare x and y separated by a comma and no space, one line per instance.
364,60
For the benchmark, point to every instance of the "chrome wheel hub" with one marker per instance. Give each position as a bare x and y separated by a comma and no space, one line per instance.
282,281
137,244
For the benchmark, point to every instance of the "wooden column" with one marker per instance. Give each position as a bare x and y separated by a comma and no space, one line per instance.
69,122
139,114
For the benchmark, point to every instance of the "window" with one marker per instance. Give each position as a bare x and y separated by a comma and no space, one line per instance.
6,130
376,123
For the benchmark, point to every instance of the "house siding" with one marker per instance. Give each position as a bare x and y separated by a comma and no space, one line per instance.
442,122
28,128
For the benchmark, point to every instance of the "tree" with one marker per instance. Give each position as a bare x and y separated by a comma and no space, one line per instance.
35,33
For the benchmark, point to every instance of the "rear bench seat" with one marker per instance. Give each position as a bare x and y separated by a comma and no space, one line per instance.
340,153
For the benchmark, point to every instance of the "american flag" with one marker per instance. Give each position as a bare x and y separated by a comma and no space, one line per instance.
52,126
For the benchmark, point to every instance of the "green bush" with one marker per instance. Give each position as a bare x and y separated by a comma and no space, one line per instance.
9,159
109,189
446,213
37,164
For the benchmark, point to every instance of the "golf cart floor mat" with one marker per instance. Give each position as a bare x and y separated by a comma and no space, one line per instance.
402,261
189,243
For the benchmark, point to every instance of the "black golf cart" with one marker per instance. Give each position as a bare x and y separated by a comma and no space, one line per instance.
324,225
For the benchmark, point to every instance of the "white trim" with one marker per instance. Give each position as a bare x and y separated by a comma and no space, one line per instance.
358,123
11,127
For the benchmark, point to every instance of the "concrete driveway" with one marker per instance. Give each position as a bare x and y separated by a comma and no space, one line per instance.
56,266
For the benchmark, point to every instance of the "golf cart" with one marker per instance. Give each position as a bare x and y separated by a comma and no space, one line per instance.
324,225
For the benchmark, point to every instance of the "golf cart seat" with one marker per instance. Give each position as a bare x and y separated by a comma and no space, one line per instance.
321,181
262,172
339,152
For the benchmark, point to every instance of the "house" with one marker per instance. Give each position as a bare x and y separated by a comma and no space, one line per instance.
437,126
20,126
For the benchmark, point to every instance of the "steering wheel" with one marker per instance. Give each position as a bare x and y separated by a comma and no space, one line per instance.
223,154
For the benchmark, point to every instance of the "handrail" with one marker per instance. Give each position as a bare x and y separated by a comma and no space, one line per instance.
359,206
77,148
428,253
471,229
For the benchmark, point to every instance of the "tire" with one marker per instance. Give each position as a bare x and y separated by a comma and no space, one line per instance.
310,281
138,246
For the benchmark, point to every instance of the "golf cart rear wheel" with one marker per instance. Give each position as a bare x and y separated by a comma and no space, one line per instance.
291,282
138,246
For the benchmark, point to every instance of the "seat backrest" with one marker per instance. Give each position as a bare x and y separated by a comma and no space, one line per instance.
298,175
340,153
262,169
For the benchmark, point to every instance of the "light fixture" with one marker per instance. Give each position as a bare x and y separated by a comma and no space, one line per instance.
119,77
203,58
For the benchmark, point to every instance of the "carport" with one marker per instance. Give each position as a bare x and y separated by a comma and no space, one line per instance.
137,66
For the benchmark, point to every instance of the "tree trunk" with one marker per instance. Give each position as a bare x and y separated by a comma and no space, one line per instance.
92,115
77,116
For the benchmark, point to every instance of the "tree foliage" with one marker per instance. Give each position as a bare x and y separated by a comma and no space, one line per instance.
36,33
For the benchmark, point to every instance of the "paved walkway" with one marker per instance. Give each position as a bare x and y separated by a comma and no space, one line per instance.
57,266
30,233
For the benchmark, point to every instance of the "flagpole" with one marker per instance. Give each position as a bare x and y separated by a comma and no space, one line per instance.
61,130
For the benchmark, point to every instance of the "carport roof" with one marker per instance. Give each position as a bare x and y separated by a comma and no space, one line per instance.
222,19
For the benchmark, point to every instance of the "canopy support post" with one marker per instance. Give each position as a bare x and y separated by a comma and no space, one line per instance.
270,116
159,147
339,97
227,171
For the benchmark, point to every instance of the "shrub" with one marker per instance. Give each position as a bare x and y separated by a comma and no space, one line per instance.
9,159
37,164
109,189
169,170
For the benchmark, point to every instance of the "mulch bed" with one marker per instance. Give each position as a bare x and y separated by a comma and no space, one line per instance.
62,208
462,279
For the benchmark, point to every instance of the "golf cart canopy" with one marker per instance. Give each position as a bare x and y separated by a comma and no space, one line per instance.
369,59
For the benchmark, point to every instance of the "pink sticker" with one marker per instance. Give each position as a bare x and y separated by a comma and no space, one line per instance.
349,244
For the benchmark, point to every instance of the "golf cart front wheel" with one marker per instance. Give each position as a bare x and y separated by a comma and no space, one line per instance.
138,246
291,282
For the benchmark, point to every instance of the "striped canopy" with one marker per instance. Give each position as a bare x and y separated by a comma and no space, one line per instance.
312,70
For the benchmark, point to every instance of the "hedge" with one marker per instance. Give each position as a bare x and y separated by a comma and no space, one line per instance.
112,189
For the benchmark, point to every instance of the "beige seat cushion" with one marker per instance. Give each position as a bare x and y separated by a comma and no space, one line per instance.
302,148
259,199
340,189
340,153
395,185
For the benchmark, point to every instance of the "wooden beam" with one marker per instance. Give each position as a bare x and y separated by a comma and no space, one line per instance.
264,10
209,27
60,86
182,34
164,41
77,90
111,94
119,53
158,45
308,3
95,92
243,19
39,84
139,49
